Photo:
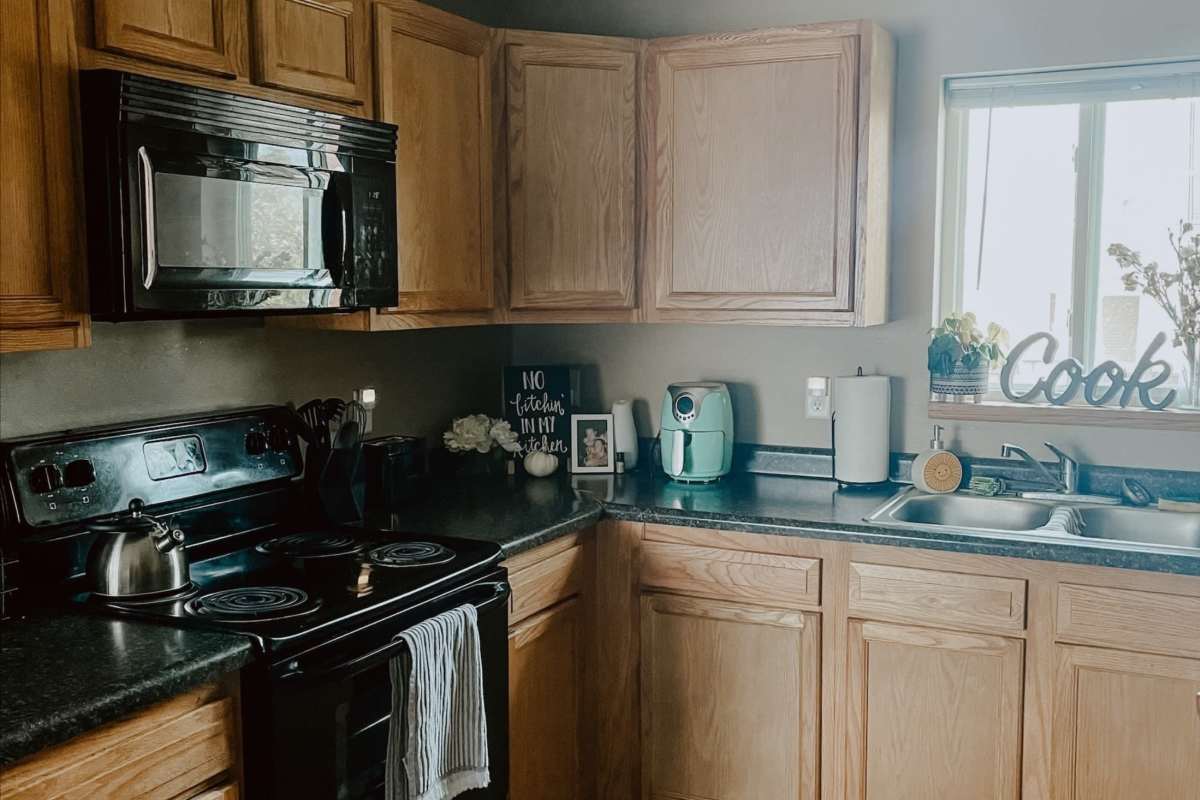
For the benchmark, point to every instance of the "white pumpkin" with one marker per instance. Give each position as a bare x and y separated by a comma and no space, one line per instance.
539,464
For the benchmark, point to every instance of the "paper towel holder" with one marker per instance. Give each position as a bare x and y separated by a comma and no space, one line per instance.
842,484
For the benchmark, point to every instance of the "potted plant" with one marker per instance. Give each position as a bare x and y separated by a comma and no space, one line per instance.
961,356
1177,293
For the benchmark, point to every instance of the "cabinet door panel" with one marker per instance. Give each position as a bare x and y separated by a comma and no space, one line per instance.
730,705
41,280
433,84
200,35
545,661
932,714
312,46
572,167
751,166
1126,725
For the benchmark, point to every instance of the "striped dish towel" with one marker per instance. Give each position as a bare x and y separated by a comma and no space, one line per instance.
437,739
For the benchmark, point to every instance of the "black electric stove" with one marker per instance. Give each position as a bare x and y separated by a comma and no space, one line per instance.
323,603
289,589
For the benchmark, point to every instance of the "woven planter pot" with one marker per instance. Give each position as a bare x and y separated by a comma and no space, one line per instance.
961,382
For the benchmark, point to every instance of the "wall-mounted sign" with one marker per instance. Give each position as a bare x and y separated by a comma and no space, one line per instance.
1101,386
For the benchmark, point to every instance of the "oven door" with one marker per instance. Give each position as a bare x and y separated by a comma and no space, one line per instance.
317,725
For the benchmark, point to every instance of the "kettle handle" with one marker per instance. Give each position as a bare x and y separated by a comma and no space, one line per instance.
677,447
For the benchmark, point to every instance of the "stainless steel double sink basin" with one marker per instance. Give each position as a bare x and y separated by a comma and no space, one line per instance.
1025,518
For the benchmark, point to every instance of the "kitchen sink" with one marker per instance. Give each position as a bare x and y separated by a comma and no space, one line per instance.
1026,518
968,511
1143,525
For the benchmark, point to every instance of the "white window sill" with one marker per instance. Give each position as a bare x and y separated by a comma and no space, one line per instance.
994,411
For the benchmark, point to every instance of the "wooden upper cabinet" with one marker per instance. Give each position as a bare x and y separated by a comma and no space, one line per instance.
41,267
572,119
199,35
766,164
317,47
433,83
730,700
932,713
1126,725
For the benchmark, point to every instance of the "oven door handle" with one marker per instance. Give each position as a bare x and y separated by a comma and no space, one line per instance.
494,592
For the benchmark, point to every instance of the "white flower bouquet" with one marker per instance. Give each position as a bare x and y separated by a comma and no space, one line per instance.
479,433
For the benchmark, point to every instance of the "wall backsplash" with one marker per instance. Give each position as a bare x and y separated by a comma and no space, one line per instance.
137,370
768,365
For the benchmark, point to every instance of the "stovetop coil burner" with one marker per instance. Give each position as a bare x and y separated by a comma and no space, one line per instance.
409,554
253,604
311,545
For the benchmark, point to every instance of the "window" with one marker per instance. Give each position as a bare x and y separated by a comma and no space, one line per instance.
1042,173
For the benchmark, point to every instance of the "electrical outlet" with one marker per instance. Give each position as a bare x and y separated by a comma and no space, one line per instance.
816,399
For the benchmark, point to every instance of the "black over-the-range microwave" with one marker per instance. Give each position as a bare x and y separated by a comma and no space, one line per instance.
205,203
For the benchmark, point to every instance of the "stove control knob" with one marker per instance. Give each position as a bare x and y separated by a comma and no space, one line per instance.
280,438
45,478
256,443
79,473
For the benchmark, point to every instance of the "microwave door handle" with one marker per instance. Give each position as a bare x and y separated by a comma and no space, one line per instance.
495,591
150,262
335,221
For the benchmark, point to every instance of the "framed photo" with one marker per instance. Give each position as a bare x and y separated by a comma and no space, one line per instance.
592,443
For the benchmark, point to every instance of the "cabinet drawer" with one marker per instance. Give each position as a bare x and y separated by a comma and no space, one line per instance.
732,574
1127,619
546,582
927,596
167,751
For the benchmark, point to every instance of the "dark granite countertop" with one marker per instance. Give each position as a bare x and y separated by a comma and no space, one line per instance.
64,674
516,513
521,513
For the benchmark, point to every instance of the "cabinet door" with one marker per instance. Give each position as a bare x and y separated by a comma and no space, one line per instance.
201,35
1126,725
545,662
730,704
932,713
751,145
433,84
41,268
318,47
572,177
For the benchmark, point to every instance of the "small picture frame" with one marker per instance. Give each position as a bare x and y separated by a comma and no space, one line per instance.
592,443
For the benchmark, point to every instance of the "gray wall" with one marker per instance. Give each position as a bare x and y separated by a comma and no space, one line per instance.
934,38
136,370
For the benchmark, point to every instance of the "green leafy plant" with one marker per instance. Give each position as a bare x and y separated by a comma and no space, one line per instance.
1177,293
958,340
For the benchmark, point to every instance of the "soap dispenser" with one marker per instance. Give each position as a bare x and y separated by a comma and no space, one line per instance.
937,470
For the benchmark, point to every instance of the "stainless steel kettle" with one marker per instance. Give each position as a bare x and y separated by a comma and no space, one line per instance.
137,555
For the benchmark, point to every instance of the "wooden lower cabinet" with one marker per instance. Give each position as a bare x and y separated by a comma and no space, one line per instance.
1126,725
185,748
730,700
545,680
932,713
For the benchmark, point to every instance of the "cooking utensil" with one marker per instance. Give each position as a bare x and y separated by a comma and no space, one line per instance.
136,555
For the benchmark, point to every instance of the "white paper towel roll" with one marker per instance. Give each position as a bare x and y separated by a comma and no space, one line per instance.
862,411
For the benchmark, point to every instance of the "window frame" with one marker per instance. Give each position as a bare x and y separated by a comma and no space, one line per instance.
950,259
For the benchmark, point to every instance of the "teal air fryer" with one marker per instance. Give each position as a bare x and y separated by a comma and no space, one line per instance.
696,436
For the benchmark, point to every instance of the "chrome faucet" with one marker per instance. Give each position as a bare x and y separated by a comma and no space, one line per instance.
1067,479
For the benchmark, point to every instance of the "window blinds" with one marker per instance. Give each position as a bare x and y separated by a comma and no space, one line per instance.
1165,80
